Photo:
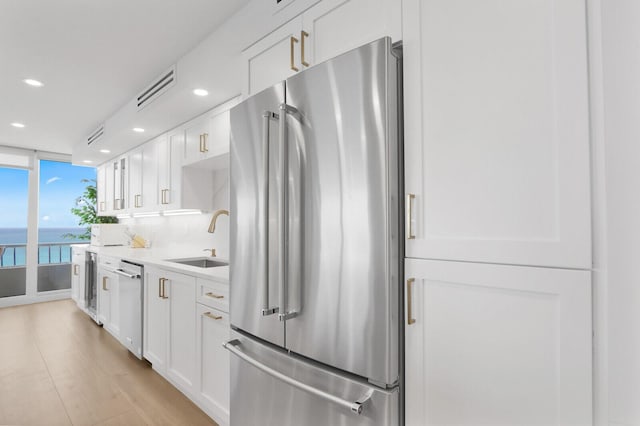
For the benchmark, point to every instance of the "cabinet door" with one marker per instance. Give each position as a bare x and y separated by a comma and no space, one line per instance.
499,345
181,350
497,132
213,362
149,198
135,179
109,188
195,142
113,324
170,159
101,190
273,58
74,281
155,320
336,26
105,281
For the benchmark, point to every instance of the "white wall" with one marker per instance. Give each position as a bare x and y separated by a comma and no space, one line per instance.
621,89
188,233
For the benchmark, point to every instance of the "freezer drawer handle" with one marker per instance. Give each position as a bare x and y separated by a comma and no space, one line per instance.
355,407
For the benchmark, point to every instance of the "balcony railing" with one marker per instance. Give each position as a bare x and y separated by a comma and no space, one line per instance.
14,255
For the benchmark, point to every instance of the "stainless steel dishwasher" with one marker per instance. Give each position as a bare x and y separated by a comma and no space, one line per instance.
130,298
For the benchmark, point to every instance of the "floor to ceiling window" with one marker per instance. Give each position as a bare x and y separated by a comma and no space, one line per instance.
14,191
60,185
37,227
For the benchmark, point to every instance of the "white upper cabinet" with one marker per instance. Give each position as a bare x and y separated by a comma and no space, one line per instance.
170,158
208,136
329,28
143,178
273,58
333,27
101,190
496,345
497,132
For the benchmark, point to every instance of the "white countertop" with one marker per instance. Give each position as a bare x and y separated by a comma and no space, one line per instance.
157,257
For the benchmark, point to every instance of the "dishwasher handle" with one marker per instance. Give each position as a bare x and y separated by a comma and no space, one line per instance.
127,274
356,407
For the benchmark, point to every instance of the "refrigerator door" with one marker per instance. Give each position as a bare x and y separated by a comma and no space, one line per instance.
256,216
262,393
344,213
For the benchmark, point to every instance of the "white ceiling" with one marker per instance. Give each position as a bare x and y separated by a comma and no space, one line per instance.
93,56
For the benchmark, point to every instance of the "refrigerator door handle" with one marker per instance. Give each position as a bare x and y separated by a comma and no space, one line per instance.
355,407
285,313
267,116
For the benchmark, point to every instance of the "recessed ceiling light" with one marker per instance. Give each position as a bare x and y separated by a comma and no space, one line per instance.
32,82
105,151
200,92
87,161
18,125
138,129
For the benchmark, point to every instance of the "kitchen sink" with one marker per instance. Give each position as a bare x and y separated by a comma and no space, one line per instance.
200,262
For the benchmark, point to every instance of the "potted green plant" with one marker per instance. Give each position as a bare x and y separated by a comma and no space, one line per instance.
86,211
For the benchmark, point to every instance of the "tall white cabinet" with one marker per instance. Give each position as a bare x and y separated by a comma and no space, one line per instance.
497,131
498,227
496,344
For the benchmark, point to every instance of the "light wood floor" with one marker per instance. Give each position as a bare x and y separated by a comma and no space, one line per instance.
57,367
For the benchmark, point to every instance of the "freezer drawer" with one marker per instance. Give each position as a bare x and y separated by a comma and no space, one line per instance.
270,387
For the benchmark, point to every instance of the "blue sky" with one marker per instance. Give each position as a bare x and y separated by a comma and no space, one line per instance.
60,185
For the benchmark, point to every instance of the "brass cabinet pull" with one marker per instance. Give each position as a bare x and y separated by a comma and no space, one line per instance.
163,198
215,296
410,319
303,34
104,283
409,227
210,315
205,136
293,41
102,204
137,200
164,291
160,288
76,268
201,148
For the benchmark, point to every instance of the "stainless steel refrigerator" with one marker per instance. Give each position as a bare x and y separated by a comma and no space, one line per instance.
316,246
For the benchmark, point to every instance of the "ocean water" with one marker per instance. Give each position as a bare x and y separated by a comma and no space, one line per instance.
58,252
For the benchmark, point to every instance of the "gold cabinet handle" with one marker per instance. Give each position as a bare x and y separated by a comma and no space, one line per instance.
163,198
205,137
102,204
215,296
137,202
210,315
104,283
76,268
164,290
303,34
160,288
409,226
293,41
201,148
410,319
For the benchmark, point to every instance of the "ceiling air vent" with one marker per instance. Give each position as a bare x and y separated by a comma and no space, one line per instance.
95,135
157,88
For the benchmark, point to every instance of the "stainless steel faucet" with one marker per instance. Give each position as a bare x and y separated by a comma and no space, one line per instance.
212,225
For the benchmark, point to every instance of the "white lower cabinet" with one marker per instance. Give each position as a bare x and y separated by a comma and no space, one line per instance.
170,326
77,275
108,306
213,362
154,320
183,339
499,345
